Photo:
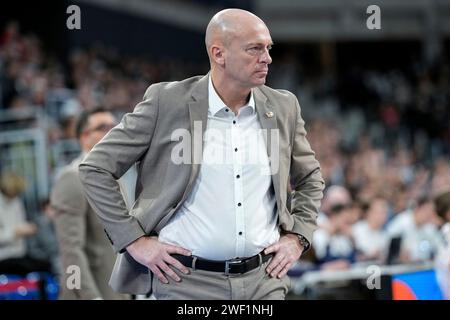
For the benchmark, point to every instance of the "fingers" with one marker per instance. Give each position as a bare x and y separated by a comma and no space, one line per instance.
273,248
177,264
162,271
285,270
169,272
159,260
158,273
278,267
174,249
274,263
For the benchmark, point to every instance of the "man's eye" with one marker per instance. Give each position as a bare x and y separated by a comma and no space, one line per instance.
254,50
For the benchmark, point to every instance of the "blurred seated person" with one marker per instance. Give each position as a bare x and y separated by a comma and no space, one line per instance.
418,230
334,196
442,260
14,229
333,246
370,238
44,244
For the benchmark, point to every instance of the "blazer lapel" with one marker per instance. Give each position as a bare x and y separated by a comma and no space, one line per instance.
198,114
268,119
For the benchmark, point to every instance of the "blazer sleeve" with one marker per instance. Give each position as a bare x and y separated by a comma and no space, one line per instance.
71,208
306,180
109,160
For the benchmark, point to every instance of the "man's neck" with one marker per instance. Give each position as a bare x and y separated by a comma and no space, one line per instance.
418,222
234,97
372,225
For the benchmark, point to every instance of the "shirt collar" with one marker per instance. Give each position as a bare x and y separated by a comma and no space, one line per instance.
216,103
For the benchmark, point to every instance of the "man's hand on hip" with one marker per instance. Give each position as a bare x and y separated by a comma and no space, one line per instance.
287,250
155,255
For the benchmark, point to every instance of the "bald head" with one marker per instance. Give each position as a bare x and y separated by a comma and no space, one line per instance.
227,24
238,44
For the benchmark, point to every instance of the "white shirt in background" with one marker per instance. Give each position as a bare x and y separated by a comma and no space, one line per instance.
420,242
12,214
369,241
442,263
338,245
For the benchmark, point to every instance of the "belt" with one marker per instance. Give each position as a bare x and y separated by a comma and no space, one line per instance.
232,266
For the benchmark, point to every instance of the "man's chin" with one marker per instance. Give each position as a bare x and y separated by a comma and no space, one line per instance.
260,81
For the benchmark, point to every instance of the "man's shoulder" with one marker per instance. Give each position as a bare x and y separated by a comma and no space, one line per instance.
67,177
181,86
67,189
70,170
276,94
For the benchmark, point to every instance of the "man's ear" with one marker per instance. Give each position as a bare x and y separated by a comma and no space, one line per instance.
217,54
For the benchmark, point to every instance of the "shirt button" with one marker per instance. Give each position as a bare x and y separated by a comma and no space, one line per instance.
240,233
235,149
226,110
238,176
234,121
239,204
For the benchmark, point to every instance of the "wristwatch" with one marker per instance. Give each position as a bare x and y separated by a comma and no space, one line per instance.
303,242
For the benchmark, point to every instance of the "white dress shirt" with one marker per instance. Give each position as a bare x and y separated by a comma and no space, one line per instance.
12,215
231,211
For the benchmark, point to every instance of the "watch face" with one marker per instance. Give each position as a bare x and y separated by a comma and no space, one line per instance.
303,241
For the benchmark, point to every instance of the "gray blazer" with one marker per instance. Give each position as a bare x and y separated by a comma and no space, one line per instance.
82,241
144,136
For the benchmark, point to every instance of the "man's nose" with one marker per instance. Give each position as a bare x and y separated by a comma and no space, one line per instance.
265,57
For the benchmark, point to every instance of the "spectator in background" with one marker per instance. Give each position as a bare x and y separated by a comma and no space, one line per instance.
417,229
82,241
14,229
334,196
333,246
442,261
442,205
370,237
44,245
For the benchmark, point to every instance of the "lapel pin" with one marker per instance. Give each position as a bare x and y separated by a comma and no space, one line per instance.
269,114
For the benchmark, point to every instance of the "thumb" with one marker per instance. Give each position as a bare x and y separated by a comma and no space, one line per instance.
176,249
271,249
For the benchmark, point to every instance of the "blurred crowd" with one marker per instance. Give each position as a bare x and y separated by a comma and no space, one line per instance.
382,139
98,75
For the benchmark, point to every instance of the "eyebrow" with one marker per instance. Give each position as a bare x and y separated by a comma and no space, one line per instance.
259,44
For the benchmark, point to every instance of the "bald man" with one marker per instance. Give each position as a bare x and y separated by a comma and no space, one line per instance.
215,156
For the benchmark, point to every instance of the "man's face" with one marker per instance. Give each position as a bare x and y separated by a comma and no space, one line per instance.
98,126
425,213
247,56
